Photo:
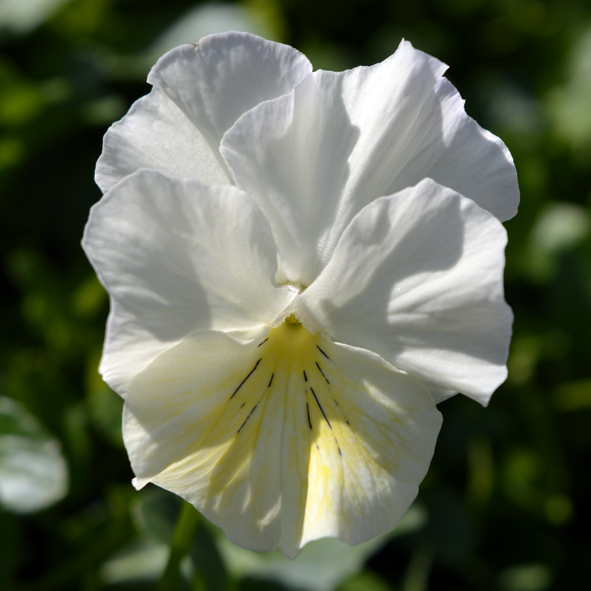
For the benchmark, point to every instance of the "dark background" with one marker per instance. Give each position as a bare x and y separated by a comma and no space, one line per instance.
505,505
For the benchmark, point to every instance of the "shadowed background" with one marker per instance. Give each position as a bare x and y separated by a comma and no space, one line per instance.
505,504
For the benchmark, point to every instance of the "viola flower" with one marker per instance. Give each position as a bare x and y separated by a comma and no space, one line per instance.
313,261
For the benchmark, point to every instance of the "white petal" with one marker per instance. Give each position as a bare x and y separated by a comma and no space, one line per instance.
200,91
313,159
157,134
282,439
472,161
417,277
222,76
178,256
438,392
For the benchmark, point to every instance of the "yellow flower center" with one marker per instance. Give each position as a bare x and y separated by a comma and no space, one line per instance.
289,355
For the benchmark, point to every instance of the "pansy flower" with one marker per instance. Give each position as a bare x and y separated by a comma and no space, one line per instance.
300,265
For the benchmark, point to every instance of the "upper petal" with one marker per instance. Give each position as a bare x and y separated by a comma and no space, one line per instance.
417,277
314,158
222,76
199,92
283,437
178,256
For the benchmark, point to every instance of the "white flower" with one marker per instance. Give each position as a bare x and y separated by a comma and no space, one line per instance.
326,265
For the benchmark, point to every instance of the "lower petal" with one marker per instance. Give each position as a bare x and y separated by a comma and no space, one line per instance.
281,437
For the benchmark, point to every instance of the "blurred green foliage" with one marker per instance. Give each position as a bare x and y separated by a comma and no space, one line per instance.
505,504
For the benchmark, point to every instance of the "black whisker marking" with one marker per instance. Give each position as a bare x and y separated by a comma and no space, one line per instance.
248,417
335,401
327,421
305,377
320,407
242,404
263,342
246,378
271,380
323,352
320,370
308,412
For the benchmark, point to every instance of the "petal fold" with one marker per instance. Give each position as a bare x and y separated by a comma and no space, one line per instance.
282,437
177,256
314,158
417,277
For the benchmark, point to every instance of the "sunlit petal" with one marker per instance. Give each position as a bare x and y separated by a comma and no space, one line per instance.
313,159
199,92
222,76
282,437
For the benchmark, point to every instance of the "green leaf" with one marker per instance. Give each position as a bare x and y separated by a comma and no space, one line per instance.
33,471
365,581
155,513
140,560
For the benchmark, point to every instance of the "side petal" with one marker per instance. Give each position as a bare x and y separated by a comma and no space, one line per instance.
282,437
417,277
156,134
222,76
313,159
178,256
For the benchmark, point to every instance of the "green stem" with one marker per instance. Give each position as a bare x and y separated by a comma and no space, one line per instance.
417,573
179,546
